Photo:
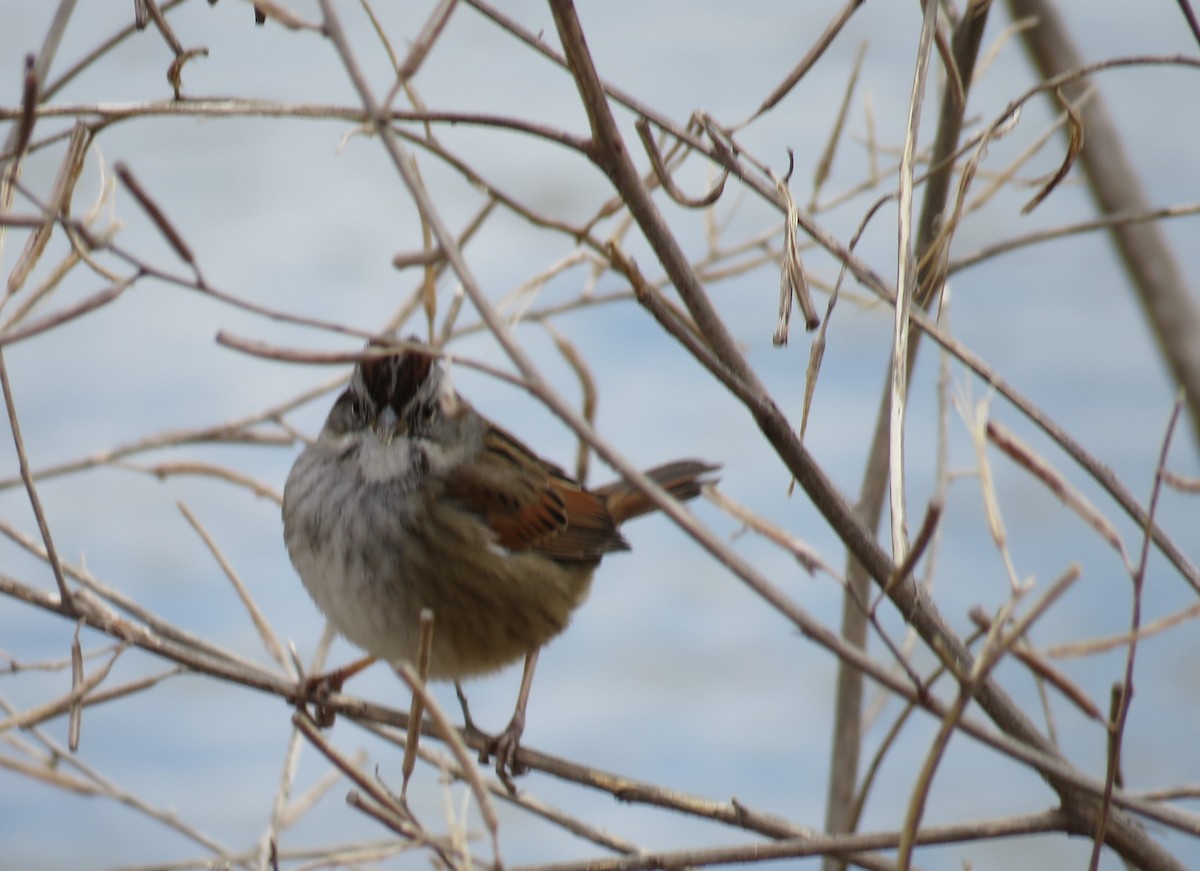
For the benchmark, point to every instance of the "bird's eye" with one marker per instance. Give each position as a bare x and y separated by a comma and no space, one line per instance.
349,413
419,416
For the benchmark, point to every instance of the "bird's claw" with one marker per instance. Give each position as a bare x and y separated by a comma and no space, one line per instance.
505,747
318,689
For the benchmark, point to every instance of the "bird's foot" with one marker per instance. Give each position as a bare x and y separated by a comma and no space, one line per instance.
505,748
318,688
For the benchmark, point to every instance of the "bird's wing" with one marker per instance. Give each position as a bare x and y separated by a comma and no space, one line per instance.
532,505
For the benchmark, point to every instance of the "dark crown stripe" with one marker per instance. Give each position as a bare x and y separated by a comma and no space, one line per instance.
394,380
411,371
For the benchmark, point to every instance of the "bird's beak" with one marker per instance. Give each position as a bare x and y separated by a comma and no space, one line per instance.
386,423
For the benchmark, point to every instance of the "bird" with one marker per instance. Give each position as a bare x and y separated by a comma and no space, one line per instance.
410,499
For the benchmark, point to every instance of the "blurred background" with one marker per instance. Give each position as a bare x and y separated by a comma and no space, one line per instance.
673,672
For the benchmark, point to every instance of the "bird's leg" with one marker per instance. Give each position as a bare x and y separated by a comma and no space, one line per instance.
320,687
507,743
468,724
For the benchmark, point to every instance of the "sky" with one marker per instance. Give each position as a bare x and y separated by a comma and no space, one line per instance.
673,671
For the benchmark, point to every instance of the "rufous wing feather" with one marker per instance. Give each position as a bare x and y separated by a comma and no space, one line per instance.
531,505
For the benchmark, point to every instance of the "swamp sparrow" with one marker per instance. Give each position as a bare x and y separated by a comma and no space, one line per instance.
410,499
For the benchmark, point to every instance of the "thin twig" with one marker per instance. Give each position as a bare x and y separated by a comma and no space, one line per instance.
35,502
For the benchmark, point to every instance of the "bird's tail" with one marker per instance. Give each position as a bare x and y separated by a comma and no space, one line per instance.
682,479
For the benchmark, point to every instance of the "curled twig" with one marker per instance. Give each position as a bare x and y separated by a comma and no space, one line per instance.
664,175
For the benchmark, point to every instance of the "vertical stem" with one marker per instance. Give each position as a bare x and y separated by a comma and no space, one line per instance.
1169,306
840,815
